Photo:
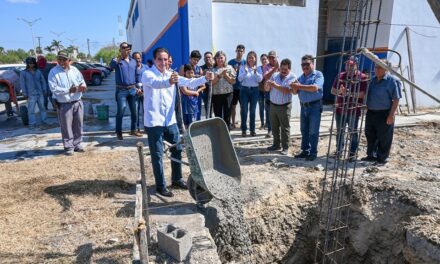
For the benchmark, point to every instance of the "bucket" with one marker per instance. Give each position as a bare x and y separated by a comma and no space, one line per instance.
102,112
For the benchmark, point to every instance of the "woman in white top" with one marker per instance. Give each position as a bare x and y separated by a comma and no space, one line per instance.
249,76
222,87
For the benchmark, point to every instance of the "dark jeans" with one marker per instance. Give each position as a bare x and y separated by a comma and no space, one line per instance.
123,97
280,119
156,136
379,135
261,98
350,123
248,103
310,122
199,106
222,106
267,107
205,98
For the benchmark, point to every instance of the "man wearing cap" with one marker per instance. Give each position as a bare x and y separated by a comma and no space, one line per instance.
236,63
384,93
268,70
309,91
34,87
160,118
67,85
126,90
349,87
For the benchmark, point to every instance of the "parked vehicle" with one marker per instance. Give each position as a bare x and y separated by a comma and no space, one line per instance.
91,75
103,69
100,65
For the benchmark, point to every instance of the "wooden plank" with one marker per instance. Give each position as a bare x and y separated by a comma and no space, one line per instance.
137,217
145,195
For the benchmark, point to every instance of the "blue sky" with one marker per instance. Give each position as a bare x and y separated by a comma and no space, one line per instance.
79,19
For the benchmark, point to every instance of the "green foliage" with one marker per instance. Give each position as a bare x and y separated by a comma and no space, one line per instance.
13,56
106,53
51,57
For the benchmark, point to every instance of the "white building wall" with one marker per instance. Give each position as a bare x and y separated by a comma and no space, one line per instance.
337,17
425,42
134,33
290,30
200,25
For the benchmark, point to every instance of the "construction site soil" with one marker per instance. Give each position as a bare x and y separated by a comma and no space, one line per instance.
64,210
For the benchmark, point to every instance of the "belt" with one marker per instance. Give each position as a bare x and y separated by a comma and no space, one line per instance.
379,111
308,104
125,86
281,104
250,87
71,102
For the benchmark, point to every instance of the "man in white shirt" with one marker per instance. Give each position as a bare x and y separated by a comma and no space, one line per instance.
67,85
160,118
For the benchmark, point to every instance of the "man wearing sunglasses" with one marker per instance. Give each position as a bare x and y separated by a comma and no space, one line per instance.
126,90
67,85
309,90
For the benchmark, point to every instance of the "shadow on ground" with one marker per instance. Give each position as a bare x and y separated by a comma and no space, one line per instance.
108,188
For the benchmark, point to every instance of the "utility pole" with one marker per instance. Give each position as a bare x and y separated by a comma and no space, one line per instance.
114,47
39,43
30,24
88,47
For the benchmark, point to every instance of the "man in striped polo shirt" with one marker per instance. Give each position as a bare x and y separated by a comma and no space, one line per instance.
280,95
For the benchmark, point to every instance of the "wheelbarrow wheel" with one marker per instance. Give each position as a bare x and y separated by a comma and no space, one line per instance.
197,192
24,115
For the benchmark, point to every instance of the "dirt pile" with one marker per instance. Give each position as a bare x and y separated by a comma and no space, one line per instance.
394,216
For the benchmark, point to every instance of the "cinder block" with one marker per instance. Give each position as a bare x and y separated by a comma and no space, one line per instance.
174,241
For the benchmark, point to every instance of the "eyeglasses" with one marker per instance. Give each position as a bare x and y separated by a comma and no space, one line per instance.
305,64
125,47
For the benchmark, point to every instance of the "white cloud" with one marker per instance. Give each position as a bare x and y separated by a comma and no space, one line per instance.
23,1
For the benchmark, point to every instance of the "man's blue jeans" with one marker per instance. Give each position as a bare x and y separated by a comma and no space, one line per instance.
34,100
248,103
156,136
310,122
350,123
261,98
123,97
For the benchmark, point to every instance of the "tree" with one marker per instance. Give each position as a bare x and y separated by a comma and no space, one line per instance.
56,45
2,50
51,57
48,49
106,53
31,52
39,50
81,56
71,49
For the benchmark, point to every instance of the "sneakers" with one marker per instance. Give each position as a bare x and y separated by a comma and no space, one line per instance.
68,152
274,148
369,159
179,185
301,155
380,163
119,136
285,151
136,133
164,192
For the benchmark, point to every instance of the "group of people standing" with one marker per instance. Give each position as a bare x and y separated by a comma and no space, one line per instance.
156,87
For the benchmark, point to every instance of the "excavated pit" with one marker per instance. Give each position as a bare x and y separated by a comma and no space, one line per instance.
394,213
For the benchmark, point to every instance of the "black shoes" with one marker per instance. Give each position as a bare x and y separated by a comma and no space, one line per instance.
311,157
119,136
164,192
380,162
81,150
243,134
179,185
369,159
253,134
301,155
274,148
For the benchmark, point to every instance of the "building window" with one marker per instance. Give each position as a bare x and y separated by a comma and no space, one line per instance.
266,2
135,15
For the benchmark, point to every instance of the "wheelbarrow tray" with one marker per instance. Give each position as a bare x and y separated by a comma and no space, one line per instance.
213,161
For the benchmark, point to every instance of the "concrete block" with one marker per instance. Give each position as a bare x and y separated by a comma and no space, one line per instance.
174,241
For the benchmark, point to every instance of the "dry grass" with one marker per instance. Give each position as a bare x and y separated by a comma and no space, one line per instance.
66,209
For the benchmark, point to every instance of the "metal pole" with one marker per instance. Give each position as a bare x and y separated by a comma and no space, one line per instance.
30,24
411,68
376,60
145,194
88,48
208,114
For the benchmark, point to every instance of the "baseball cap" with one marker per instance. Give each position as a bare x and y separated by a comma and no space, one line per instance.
63,54
352,60
272,53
